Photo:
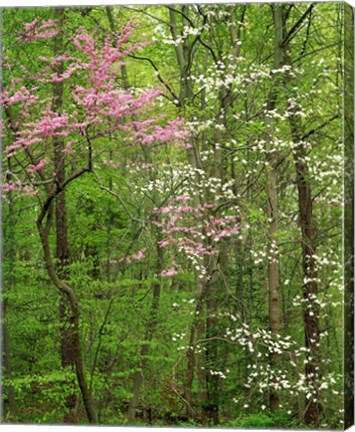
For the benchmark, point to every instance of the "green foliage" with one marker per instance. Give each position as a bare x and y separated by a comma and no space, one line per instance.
253,421
136,326
278,419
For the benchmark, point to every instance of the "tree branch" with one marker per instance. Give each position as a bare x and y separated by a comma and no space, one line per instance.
321,126
295,27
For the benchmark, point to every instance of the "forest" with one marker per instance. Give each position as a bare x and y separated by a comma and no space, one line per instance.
175,181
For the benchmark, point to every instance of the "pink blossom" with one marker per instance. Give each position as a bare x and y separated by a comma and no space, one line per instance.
21,95
186,209
33,31
219,221
170,272
37,167
9,187
139,255
163,243
182,198
27,190
165,210
68,148
186,230
31,25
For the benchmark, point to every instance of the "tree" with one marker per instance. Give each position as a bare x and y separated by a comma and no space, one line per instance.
99,109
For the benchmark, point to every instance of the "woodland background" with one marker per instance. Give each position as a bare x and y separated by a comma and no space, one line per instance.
173,189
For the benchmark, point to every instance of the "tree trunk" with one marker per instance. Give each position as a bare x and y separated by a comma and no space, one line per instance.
305,209
311,309
309,249
271,191
73,332
183,53
61,229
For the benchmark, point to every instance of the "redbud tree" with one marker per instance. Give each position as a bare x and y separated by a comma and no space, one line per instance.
59,108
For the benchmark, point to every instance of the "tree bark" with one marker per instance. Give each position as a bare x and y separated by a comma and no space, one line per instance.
61,228
313,407
311,310
183,55
68,292
271,191
311,314
305,209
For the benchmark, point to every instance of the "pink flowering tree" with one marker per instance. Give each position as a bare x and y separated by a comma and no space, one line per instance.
54,132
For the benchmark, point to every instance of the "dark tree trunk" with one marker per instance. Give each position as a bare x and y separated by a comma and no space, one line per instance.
309,249
67,291
71,352
311,310
61,228
308,234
